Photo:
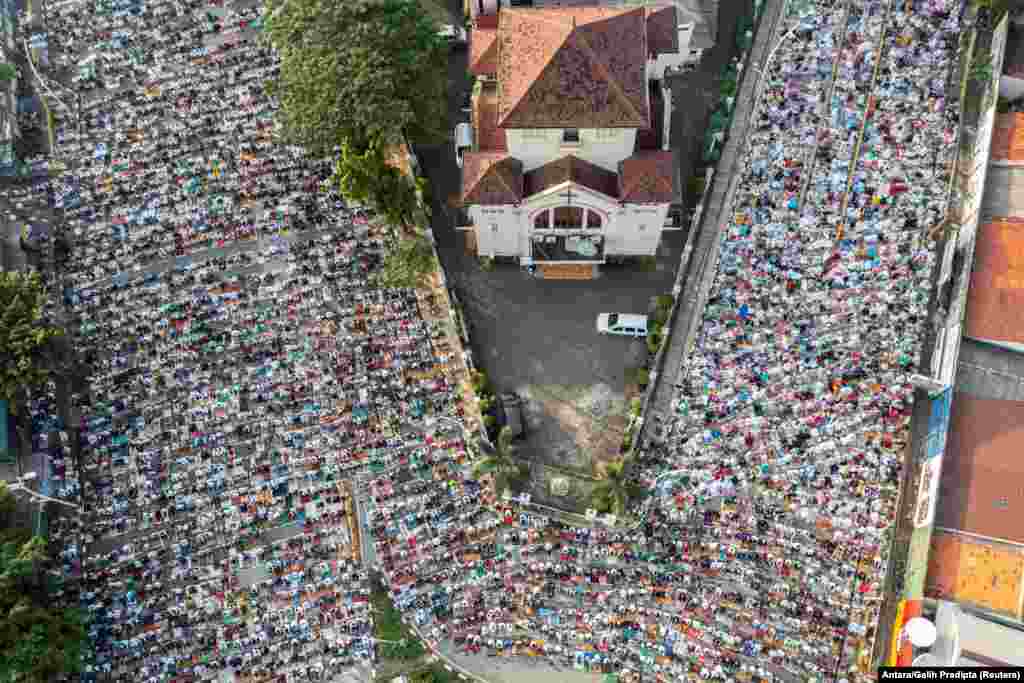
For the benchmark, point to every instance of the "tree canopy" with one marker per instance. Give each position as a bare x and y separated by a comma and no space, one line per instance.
409,261
501,462
357,70
37,641
613,493
22,334
364,176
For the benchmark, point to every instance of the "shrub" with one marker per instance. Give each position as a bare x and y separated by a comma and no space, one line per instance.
643,377
636,405
653,342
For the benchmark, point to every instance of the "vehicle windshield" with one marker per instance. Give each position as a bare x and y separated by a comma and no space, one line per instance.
612,319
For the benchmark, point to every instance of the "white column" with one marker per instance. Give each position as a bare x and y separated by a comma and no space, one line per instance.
666,97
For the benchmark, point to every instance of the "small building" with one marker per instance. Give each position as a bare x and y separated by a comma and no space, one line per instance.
570,161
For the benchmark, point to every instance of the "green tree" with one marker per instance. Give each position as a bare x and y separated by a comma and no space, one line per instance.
356,71
37,642
364,176
8,72
409,261
22,336
613,493
501,462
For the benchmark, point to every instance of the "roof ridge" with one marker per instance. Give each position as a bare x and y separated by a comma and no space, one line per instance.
533,15
613,84
501,178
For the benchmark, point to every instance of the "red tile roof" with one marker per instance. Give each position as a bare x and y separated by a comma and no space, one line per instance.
980,489
483,51
573,67
647,177
486,21
489,137
491,178
996,295
1008,138
662,30
570,168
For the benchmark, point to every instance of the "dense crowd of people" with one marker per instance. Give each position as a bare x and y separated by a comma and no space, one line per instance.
242,369
240,365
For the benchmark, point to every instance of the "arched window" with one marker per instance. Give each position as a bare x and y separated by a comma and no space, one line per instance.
593,220
568,217
542,221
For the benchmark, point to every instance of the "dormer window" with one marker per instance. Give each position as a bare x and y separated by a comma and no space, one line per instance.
570,136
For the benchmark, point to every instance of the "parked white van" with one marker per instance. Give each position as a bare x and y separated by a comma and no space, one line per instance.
463,141
625,324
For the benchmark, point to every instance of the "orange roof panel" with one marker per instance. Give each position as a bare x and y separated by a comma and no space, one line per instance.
1008,138
980,490
996,295
966,570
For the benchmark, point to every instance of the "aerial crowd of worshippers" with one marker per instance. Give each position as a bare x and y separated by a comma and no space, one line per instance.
215,537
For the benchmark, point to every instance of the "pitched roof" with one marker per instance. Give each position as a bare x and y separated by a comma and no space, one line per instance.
647,177
996,294
489,137
662,30
574,169
491,178
980,490
573,67
483,51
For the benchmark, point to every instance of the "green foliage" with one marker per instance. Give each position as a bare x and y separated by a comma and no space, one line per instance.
8,72
613,493
648,264
22,336
501,463
408,263
981,70
654,340
37,642
635,406
388,626
357,71
643,377
486,264
363,176
480,382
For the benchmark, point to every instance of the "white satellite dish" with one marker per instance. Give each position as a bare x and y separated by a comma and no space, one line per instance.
921,632
927,659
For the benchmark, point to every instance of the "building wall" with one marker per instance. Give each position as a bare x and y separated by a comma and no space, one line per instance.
605,147
1011,87
637,230
631,230
498,230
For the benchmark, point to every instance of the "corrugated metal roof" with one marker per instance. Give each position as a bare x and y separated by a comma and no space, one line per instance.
980,490
996,296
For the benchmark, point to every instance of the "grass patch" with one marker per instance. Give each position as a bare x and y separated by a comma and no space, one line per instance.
388,625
